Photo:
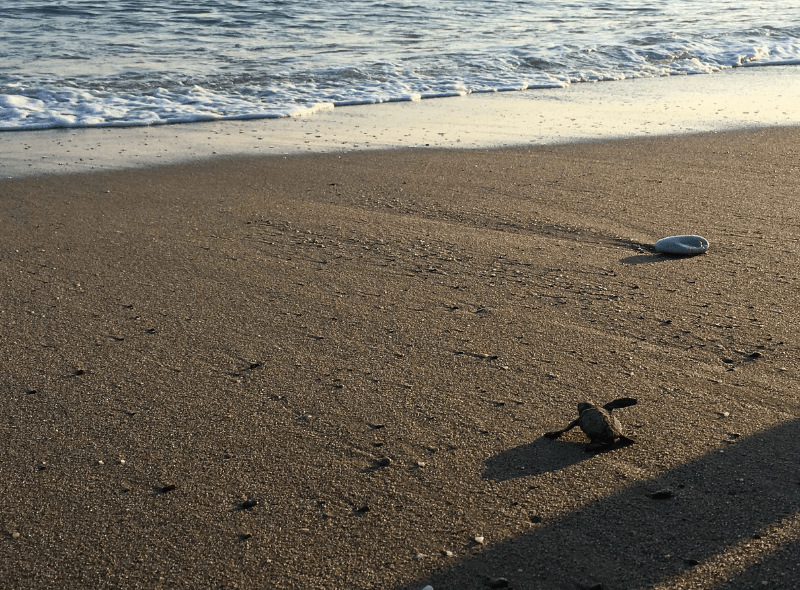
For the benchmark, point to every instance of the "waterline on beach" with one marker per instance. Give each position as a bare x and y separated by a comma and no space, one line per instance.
735,99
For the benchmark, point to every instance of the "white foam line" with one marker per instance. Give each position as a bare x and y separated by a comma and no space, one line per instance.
733,99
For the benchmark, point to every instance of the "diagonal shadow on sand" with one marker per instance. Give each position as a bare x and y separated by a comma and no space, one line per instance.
783,565
622,542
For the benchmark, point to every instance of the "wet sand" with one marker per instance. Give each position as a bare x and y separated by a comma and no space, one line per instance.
205,364
741,98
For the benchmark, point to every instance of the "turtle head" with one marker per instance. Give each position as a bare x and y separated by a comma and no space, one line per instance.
583,406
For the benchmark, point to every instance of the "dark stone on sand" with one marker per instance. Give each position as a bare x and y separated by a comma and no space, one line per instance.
497,583
664,494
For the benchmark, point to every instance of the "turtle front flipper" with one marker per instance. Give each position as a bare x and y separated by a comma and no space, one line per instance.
557,433
622,402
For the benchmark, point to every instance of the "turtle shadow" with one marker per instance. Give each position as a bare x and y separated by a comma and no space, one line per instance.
540,456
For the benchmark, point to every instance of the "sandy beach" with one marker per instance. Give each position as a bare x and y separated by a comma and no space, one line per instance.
334,370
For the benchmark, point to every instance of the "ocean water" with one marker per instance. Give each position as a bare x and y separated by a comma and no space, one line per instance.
84,63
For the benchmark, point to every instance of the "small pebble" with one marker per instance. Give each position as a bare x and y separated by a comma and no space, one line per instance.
724,414
419,556
479,540
448,553
421,463
497,583
428,587
384,461
249,504
755,355
664,494
15,534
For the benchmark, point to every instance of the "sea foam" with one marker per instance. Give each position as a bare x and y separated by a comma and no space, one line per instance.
268,58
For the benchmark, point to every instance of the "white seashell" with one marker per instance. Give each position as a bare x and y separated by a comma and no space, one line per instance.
685,245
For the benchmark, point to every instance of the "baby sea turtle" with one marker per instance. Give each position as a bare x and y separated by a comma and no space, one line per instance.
600,426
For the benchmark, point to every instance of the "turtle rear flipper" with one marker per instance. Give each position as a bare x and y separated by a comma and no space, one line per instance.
598,446
603,446
622,402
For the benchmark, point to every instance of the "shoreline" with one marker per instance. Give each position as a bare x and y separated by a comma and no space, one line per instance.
741,98
207,366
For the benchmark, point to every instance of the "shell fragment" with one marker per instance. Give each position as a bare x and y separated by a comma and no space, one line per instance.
682,245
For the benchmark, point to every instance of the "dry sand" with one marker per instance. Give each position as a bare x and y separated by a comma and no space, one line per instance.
203,365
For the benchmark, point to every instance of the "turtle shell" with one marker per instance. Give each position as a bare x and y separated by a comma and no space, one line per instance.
598,424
